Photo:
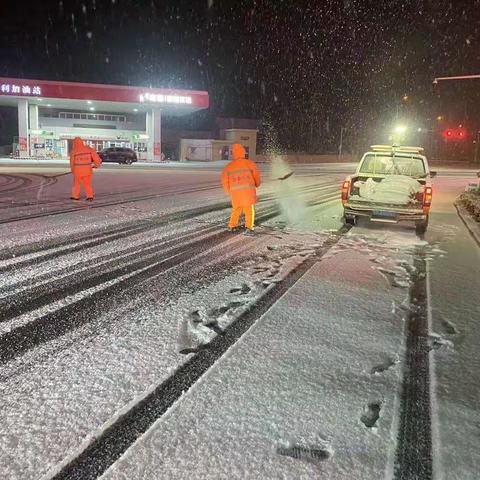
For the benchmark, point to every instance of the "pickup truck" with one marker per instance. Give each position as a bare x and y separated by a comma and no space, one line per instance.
391,184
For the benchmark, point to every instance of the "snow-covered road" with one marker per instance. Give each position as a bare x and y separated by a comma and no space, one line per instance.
104,306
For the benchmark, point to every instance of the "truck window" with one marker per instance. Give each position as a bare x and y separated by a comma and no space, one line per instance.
393,165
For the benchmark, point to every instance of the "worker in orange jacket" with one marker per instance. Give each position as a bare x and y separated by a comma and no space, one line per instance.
240,180
81,159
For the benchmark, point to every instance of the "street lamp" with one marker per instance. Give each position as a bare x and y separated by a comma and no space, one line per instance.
458,77
398,133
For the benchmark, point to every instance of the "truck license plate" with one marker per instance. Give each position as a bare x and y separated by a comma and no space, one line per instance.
384,214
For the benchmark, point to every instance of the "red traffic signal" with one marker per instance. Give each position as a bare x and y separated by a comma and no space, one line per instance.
457,134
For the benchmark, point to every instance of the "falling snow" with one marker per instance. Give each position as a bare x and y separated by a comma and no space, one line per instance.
313,69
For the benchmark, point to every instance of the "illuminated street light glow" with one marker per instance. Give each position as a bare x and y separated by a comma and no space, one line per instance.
400,129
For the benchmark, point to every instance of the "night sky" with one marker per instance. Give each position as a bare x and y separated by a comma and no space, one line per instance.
304,68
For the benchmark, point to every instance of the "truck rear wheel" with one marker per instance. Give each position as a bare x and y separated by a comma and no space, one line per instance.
421,226
350,220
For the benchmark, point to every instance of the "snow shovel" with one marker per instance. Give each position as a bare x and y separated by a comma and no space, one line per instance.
284,177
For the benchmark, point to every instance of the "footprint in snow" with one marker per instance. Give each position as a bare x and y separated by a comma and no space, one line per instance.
236,304
213,325
384,366
190,338
195,316
309,454
218,311
437,342
448,326
215,313
243,290
372,414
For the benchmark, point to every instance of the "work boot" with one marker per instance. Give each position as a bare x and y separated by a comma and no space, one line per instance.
90,199
73,198
233,229
249,233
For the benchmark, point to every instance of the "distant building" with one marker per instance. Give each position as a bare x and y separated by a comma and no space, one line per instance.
228,131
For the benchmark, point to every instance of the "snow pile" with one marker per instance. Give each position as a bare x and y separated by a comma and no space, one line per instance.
471,201
396,189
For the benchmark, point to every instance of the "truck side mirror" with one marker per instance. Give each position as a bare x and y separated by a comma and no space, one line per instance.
433,174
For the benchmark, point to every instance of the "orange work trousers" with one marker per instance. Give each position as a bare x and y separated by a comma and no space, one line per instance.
86,181
249,213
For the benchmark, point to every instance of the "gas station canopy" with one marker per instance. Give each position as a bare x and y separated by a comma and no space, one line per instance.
111,98
44,129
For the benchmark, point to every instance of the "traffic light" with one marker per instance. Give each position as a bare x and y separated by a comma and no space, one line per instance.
454,134
448,133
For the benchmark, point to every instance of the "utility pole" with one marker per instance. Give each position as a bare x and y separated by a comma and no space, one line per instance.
340,146
477,139
462,77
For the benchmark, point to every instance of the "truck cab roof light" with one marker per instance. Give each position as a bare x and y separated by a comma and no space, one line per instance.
396,148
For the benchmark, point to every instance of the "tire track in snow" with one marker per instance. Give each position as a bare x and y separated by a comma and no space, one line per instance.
124,429
75,302
18,182
414,449
80,207
101,293
43,251
25,297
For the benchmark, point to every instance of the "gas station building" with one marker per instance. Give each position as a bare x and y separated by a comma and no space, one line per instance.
51,114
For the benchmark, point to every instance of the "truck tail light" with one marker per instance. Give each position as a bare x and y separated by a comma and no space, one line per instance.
345,191
427,196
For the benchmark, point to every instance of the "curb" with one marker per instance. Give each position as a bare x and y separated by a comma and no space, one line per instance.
472,225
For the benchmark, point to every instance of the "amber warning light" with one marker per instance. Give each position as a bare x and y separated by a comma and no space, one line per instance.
345,191
427,196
